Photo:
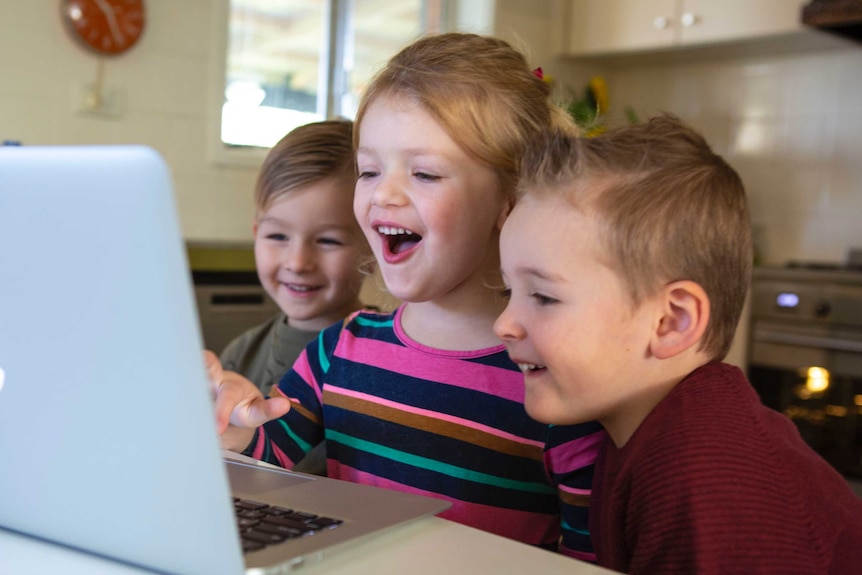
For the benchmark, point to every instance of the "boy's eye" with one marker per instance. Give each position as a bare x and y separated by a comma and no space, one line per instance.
506,293
543,300
365,174
276,237
330,242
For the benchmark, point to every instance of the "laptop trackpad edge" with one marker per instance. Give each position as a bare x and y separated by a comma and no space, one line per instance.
250,479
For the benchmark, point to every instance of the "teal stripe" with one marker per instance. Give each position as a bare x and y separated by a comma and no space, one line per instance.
437,466
364,321
324,361
567,527
304,445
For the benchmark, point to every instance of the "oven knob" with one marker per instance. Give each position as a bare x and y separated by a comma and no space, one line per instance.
822,309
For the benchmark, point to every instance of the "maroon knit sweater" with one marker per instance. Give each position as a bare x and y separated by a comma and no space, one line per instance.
714,482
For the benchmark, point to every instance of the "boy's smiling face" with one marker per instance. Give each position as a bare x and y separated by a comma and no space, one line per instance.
308,248
570,323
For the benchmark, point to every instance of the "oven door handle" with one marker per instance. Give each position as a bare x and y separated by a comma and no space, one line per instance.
809,341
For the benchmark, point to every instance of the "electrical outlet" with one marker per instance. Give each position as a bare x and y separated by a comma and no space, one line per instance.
97,101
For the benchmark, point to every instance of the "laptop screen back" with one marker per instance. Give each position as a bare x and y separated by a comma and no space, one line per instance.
107,436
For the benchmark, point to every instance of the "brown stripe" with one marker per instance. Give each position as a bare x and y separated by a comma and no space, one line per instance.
304,412
431,425
574,499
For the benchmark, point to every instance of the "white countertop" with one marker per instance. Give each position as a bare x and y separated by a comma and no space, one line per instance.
428,546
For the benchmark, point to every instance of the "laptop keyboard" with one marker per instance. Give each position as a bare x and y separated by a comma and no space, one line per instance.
261,525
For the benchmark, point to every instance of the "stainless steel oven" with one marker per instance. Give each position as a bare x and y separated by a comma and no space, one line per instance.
228,303
805,355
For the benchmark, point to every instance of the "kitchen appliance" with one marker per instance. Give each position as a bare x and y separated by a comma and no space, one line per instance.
228,303
228,293
805,354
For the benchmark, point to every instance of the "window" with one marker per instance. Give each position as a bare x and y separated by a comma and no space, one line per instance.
290,62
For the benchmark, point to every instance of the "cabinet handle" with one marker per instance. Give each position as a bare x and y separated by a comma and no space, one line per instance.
661,22
688,19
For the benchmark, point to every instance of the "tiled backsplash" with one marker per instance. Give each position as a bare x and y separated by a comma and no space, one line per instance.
792,127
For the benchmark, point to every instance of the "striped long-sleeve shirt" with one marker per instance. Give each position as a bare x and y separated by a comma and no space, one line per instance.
447,424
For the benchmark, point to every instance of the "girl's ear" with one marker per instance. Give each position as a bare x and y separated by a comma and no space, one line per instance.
684,317
504,213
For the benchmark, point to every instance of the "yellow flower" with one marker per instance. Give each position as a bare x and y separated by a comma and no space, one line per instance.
599,89
595,131
590,111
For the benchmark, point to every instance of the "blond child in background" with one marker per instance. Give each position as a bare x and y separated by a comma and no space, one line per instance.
307,248
628,257
425,399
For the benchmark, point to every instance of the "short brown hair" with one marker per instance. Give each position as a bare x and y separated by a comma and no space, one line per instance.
670,209
306,155
478,88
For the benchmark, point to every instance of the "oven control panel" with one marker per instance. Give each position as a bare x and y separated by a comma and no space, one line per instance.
807,302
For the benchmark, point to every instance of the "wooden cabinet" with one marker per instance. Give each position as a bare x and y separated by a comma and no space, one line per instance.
618,26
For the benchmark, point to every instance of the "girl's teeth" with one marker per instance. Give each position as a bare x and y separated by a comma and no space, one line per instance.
391,231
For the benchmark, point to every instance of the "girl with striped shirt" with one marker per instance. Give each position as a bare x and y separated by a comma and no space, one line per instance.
425,399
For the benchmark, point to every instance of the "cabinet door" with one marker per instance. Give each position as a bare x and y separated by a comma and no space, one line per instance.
711,21
605,26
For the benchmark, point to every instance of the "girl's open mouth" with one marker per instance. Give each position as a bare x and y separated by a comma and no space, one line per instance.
398,240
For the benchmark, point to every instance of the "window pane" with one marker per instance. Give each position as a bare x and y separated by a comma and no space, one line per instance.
275,49
279,54
378,29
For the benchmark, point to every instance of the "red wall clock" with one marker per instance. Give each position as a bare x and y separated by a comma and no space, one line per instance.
108,27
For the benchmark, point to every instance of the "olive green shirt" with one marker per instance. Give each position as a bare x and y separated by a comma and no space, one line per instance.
263,354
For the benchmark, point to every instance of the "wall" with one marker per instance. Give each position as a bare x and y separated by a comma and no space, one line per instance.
162,99
789,122
162,95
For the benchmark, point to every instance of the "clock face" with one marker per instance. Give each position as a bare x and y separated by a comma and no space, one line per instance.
105,26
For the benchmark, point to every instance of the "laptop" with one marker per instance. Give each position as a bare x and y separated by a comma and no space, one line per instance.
107,433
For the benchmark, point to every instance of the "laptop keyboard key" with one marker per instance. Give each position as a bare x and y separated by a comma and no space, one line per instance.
261,525
285,532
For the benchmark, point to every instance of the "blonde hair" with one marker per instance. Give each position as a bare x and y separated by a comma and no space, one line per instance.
306,155
670,209
479,89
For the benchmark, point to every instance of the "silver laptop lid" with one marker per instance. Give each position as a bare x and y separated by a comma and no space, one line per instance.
107,436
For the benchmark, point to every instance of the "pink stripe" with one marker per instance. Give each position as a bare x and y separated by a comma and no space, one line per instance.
257,452
531,528
432,415
494,381
582,555
303,369
573,490
574,454
283,459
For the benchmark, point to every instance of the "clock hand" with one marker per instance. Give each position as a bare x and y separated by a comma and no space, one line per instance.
112,21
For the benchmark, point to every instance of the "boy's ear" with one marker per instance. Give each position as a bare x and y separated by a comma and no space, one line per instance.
684,317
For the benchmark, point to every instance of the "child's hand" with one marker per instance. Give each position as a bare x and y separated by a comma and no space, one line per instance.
239,405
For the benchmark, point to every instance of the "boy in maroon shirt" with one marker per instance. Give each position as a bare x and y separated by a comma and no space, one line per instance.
627,259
